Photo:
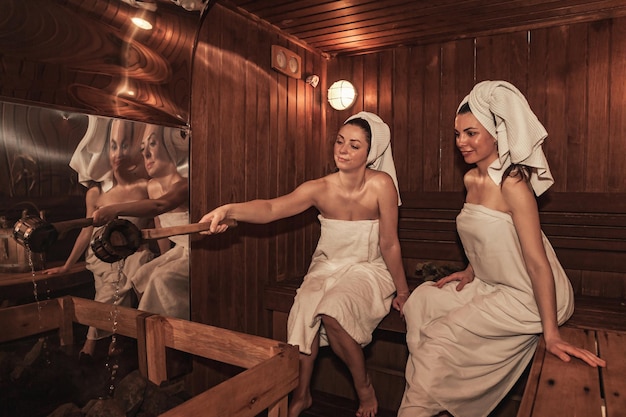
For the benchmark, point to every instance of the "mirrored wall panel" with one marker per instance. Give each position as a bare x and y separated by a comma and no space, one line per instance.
59,165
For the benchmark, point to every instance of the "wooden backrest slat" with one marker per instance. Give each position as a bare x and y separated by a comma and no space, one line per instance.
433,200
427,235
583,202
589,244
428,223
414,214
585,219
445,251
590,232
586,260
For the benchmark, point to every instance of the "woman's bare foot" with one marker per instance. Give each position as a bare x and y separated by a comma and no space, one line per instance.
88,348
368,404
299,403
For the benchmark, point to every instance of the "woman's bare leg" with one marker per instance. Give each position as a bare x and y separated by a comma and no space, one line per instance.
88,348
301,398
351,353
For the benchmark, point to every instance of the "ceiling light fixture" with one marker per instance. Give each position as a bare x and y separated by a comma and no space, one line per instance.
141,23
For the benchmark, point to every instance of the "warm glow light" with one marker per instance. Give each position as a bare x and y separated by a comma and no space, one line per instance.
341,95
141,23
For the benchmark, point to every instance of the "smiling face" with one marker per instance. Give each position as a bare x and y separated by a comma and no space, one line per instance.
476,144
156,157
124,152
351,147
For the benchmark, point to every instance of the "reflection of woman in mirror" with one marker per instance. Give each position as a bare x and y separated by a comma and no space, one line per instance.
163,283
110,164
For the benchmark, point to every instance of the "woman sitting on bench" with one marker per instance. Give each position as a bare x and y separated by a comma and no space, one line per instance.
357,265
469,341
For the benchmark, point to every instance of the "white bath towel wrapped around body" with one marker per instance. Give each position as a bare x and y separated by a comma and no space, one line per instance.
113,284
347,280
163,283
467,348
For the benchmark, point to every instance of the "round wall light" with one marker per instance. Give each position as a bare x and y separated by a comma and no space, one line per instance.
341,95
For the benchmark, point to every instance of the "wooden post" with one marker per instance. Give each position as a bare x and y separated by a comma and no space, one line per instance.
66,321
155,349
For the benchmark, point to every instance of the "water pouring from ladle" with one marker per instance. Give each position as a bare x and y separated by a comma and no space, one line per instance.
39,235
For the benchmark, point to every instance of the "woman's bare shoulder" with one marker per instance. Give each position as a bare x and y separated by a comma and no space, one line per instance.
518,193
320,182
471,174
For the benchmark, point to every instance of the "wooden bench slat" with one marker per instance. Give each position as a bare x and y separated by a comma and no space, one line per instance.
613,345
569,389
531,388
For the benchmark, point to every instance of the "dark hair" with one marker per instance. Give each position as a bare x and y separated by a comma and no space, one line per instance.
465,108
519,171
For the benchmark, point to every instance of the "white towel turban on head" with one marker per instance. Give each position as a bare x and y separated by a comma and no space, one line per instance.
91,157
177,146
504,111
380,156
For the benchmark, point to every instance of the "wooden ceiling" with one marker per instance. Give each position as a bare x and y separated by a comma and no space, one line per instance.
354,27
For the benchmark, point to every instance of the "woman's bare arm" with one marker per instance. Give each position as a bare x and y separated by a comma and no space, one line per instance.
144,208
265,211
388,240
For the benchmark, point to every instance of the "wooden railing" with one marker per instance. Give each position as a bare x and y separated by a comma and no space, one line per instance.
271,368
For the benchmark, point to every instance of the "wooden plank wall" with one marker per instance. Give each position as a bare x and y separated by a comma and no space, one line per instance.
574,77
255,134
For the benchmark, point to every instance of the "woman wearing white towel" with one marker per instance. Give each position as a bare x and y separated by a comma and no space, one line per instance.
472,334
162,284
356,272
109,162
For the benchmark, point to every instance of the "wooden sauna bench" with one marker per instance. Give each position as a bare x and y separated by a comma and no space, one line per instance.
270,368
18,287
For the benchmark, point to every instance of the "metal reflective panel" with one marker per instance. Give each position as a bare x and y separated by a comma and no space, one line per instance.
66,65
89,56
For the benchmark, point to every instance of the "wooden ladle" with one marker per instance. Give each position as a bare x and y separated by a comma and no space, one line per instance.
120,238
38,235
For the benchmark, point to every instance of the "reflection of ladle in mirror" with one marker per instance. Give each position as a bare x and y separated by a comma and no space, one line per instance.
121,238
38,235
